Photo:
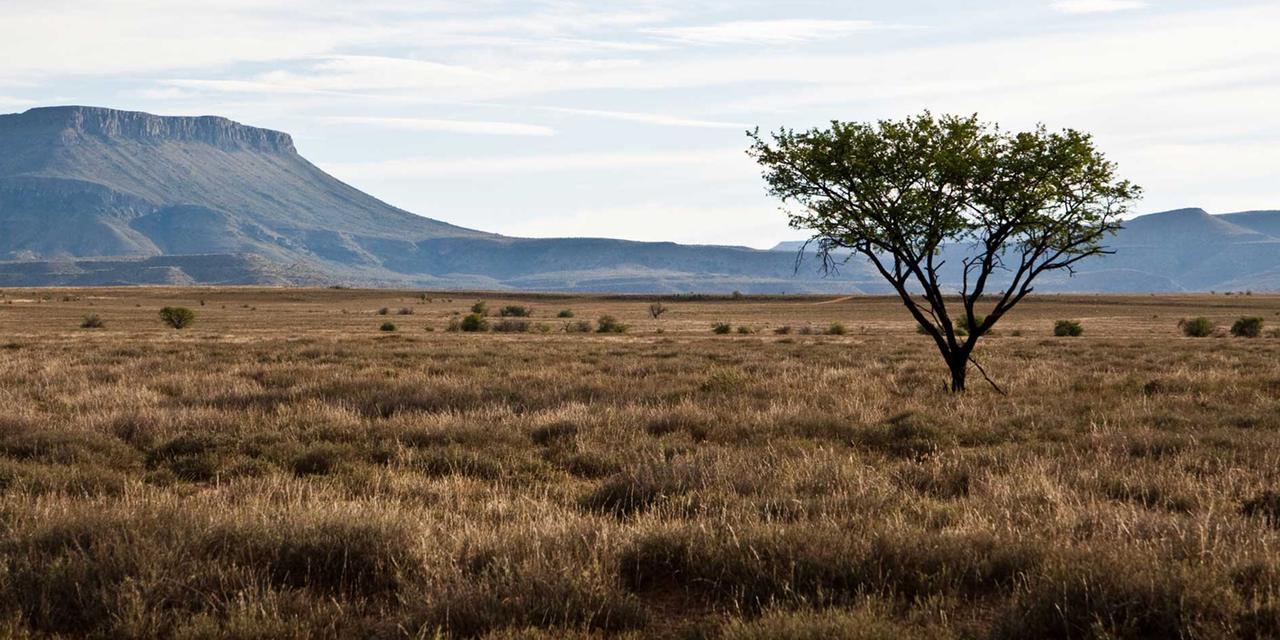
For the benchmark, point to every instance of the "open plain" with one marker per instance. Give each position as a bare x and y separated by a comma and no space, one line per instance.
285,467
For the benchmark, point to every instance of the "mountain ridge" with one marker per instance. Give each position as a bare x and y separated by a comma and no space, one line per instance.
92,192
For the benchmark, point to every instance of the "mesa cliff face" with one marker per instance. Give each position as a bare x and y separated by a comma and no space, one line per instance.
69,124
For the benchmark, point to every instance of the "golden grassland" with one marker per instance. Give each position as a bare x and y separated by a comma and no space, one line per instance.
284,468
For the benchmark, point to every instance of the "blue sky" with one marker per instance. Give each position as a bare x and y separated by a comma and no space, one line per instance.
626,119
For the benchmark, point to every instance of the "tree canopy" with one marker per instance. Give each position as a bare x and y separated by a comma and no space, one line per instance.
898,192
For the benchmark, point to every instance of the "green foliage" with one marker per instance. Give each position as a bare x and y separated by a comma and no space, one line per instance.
565,313
581,326
1067,329
384,311
721,328
387,326
837,329
610,324
1197,327
177,317
92,321
897,192
474,322
1249,327
480,308
515,311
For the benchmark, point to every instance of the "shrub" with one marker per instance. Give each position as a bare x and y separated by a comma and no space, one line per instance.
92,321
1250,327
581,326
1067,329
782,331
610,324
473,323
387,326
961,324
565,313
384,311
515,311
657,309
1197,327
721,328
177,317
836,329
404,311
745,330
511,326
480,308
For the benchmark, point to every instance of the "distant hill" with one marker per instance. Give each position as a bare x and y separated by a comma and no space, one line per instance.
93,196
1181,250
85,190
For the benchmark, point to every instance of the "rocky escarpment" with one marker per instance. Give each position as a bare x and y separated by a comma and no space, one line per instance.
68,124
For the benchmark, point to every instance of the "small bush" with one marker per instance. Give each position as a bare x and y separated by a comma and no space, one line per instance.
610,324
404,311
745,330
177,317
721,328
1197,327
511,326
782,331
473,323
387,326
1067,329
961,324
92,321
657,309
480,308
837,329
1250,327
565,313
515,311
384,311
581,326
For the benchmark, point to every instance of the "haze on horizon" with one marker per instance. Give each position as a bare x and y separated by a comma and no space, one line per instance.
626,120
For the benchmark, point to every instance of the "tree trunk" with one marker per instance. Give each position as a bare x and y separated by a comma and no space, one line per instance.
959,366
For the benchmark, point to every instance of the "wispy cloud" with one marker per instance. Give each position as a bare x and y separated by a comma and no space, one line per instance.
1097,6
650,118
545,163
480,127
763,31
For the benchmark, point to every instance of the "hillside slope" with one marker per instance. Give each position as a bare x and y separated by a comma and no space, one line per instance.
81,183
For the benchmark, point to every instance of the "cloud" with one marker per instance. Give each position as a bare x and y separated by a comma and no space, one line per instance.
774,32
650,118
480,127
1097,6
428,167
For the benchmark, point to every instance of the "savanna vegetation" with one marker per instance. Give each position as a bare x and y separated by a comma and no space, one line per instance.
284,468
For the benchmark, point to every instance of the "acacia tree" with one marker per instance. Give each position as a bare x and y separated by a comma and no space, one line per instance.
907,195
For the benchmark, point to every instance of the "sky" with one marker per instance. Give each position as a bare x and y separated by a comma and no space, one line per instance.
627,119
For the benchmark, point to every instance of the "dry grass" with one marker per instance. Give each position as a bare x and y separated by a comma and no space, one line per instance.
282,468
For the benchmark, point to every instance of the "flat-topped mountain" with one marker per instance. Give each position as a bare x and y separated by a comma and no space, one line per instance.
81,183
99,196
